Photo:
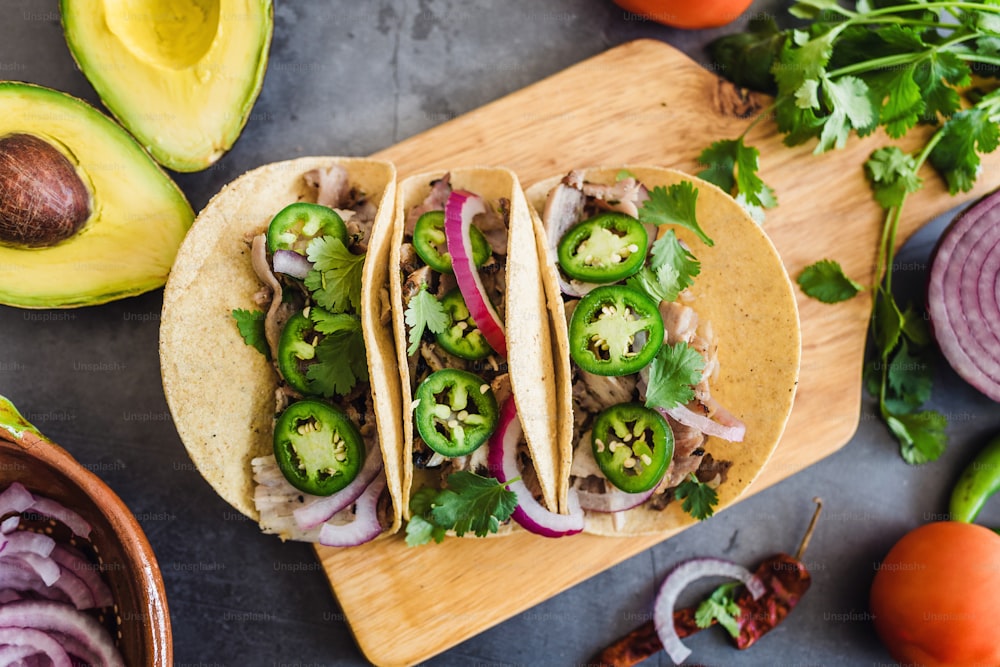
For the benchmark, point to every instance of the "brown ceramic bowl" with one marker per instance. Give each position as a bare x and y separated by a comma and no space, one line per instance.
141,623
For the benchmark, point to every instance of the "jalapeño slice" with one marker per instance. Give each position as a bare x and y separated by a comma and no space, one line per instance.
296,350
615,330
456,412
297,224
604,249
430,243
633,446
317,447
462,337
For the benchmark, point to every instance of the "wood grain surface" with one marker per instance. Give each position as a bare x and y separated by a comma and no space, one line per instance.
642,102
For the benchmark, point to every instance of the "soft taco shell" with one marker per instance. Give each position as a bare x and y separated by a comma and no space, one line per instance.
220,391
745,292
527,327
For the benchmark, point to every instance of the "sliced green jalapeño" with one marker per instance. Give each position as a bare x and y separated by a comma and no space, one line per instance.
317,447
462,337
430,243
297,224
604,249
633,446
615,330
456,412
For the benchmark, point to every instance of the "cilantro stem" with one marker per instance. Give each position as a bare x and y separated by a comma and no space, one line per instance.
899,59
945,4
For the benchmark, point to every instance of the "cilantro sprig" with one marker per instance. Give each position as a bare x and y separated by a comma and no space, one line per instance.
251,327
341,360
891,66
675,205
470,503
720,606
335,279
672,375
424,312
699,498
670,270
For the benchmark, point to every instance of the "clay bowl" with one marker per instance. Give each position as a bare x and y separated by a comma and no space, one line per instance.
141,622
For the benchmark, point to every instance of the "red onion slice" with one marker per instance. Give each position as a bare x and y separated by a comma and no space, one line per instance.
85,570
612,500
963,295
459,211
503,463
14,500
25,541
733,433
66,516
365,526
39,641
320,510
58,617
11,654
291,263
677,580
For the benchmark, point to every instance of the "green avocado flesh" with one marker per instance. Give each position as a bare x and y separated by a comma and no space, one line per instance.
180,75
138,216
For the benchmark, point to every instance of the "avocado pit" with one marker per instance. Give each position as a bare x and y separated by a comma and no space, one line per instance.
43,200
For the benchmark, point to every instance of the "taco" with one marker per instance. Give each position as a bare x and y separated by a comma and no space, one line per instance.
676,344
275,341
473,340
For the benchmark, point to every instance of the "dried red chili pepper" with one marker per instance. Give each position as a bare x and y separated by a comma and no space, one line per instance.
785,579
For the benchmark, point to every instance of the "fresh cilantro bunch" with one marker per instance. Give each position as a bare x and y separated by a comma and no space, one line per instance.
470,503
889,65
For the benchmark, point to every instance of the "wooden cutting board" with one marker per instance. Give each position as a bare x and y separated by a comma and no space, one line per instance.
643,102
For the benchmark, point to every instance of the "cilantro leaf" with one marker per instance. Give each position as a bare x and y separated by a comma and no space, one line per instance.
341,360
888,323
801,58
747,57
921,435
910,380
699,498
424,312
933,74
326,322
852,109
733,166
825,280
251,326
672,375
671,269
956,155
901,102
421,531
335,279
720,606
892,175
470,503
674,205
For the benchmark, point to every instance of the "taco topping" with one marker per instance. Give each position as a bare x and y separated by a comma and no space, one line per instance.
455,412
298,224
604,249
615,330
632,445
317,448
462,338
431,244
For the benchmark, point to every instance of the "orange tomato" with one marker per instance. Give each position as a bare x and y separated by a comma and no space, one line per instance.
690,14
936,597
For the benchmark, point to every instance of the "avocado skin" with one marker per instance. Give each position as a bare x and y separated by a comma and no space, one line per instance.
184,132
138,214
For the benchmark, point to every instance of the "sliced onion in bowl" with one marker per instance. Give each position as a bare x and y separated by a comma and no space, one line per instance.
364,527
459,211
320,510
529,513
40,644
677,580
58,617
291,263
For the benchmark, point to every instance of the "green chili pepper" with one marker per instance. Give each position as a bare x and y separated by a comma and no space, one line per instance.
633,446
430,243
604,249
297,224
462,337
979,481
456,412
605,328
317,447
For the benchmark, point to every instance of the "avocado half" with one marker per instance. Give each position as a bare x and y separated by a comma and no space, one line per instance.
180,75
137,215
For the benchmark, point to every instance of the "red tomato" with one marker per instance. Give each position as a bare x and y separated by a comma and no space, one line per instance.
691,14
936,597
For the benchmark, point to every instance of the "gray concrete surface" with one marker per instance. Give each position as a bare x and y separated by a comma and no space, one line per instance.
90,377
